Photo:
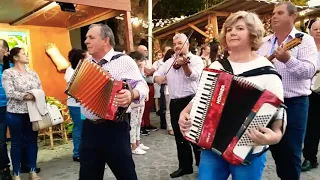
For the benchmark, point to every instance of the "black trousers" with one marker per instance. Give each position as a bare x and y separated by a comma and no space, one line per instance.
311,141
163,122
183,146
108,142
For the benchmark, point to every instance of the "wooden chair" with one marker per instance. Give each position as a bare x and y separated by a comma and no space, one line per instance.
59,129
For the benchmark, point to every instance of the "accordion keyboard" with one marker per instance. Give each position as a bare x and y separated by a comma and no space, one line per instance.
201,103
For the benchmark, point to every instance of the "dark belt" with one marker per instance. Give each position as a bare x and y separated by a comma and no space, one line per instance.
97,121
182,99
100,121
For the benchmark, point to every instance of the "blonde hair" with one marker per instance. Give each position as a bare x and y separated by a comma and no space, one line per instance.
254,25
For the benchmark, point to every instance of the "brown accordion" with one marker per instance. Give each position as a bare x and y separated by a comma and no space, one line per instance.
95,90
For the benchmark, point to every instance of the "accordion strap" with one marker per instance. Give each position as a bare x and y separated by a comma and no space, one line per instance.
226,65
253,72
117,56
103,61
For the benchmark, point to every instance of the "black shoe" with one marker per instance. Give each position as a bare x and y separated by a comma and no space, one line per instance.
163,127
308,165
26,169
77,159
180,172
5,174
150,128
144,132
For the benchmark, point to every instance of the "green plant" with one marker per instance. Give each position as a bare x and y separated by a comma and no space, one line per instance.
69,127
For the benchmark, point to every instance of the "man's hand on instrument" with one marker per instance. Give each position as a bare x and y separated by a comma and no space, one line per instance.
107,72
264,136
123,98
282,55
184,122
180,60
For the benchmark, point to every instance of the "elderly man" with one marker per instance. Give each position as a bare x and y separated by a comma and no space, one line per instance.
296,67
182,84
311,141
148,70
104,141
143,50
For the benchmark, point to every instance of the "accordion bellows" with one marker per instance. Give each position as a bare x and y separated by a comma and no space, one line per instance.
94,89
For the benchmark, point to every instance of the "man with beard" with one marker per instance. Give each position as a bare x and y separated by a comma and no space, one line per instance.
182,85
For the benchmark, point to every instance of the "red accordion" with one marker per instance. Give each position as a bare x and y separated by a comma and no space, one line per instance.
224,108
95,90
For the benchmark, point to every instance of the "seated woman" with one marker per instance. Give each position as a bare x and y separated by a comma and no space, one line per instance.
242,35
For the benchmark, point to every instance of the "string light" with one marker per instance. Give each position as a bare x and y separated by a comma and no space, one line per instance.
155,22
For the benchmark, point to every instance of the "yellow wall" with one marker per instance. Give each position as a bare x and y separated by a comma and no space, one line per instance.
52,81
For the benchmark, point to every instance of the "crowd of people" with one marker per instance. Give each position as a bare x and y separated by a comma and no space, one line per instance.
170,84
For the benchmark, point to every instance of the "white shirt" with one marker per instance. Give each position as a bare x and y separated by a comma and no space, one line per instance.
67,76
270,82
120,69
179,84
156,65
299,69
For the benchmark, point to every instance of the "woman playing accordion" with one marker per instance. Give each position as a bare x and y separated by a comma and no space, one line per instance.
242,35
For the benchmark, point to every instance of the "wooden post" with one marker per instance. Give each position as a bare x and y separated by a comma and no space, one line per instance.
51,138
128,28
214,22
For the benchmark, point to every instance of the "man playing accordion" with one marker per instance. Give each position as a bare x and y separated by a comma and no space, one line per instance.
108,141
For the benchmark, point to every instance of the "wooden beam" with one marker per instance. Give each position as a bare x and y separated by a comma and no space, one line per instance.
128,28
34,13
122,5
161,36
198,30
214,22
219,13
97,18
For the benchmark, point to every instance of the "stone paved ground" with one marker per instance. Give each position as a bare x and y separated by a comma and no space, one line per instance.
157,164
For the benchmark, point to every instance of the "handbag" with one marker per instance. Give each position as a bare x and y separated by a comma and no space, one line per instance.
53,117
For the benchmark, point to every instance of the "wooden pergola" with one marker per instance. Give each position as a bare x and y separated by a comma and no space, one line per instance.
313,13
44,22
48,13
215,15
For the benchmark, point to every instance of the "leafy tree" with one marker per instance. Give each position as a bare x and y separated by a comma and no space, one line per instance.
300,2
140,7
176,8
